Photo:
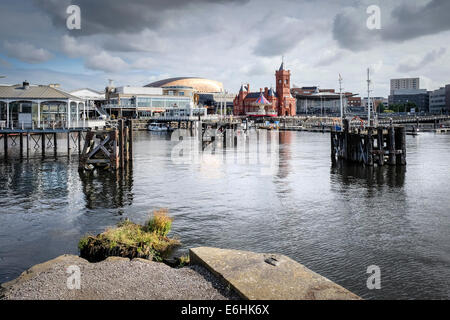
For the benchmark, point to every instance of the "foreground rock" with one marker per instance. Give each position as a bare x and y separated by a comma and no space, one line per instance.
115,278
258,276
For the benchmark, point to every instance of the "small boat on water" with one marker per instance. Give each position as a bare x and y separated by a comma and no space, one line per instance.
413,132
159,127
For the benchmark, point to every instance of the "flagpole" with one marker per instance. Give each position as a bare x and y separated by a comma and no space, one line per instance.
340,96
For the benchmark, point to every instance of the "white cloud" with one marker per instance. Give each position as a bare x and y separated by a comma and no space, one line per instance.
95,58
26,52
103,61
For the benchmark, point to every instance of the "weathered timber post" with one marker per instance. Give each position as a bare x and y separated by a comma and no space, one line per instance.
127,143
43,144
5,145
28,145
380,142
345,147
391,146
369,146
121,144
87,143
79,142
400,142
21,145
68,143
115,155
55,145
130,138
333,150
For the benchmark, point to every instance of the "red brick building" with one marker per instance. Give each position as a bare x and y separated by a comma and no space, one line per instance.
280,103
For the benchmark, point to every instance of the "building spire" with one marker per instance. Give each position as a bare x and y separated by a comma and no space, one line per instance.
282,63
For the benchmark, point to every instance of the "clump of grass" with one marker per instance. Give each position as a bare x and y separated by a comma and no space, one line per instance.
160,223
83,242
132,240
183,261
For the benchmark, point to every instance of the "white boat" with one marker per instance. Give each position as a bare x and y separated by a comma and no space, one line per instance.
159,127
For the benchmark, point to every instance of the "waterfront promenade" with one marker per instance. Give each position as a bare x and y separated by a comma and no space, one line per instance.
213,274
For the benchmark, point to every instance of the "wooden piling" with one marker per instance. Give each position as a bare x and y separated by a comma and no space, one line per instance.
5,145
369,146
333,149
55,145
68,144
357,145
121,144
400,142
79,142
380,145
21,145
391,146
43,144
130,138
28,145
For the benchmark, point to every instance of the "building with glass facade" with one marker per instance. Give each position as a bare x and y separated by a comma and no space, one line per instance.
141,102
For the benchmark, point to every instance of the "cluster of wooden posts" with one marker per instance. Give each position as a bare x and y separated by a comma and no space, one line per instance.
109,148
371,145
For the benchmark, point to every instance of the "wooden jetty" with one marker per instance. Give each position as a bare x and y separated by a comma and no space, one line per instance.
370,146
27,140
109,148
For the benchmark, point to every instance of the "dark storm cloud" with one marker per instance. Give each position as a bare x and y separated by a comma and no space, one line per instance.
112,16
407,21
411,21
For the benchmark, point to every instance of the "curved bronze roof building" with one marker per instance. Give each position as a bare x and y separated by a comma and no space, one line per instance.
200,85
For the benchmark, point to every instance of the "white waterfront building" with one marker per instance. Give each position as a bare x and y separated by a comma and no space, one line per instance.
38,106
142,102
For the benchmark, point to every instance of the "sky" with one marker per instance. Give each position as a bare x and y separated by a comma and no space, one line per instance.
235,42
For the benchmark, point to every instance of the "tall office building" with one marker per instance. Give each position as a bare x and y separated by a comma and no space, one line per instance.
403,84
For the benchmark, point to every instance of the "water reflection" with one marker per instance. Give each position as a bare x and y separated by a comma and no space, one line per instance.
284,141
108,189
348,174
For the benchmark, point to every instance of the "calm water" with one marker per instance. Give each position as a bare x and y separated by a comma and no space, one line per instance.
335,219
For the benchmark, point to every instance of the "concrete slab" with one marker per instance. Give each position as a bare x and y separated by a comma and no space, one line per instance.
259,276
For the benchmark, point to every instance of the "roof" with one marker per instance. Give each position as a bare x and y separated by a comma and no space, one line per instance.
18,91
199,84
252,95
261,100
88,89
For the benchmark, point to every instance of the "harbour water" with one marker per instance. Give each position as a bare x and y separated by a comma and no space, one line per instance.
336,219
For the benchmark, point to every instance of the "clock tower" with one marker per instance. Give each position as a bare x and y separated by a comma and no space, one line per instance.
286,103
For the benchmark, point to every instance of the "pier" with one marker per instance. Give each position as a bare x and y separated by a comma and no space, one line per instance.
29,141
372,145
